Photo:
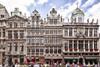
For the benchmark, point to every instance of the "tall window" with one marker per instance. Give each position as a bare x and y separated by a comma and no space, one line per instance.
47,50
22,34
16,34
70,31
10,34
86,31
10,25
91,33
75,44
95,44
0,32
66,45
3,32
55,49
15,25
21,24
91,44
55,21
86,44
59,50
41,50
37,50
28,51
95,32
51,21
22,47
33,50
70,44
80,45
2,16
51,50
66,32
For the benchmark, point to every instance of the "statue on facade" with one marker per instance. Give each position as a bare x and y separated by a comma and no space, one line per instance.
88,20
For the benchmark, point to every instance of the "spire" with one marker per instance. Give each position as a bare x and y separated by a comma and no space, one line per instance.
77,4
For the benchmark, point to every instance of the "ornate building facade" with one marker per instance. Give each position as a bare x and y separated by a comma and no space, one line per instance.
48,40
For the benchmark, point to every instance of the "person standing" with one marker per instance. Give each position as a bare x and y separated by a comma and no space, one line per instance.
67,64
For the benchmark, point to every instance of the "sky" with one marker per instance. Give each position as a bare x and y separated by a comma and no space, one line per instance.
91,8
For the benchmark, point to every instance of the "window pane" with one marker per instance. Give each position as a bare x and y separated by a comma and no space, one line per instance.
70,32
86,31
86,44
47,50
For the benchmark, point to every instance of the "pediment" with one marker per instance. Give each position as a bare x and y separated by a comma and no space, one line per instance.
17,18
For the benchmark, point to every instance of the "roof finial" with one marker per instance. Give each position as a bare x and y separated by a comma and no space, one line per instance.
77,4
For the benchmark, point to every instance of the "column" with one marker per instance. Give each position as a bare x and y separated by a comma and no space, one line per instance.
72,31
93,32
25,34
88,31
13,48
12,34
6,34
18,34
84,45
18,49
63,48
93,45
73,45
1,33
68,45
53,50
68,31
84,61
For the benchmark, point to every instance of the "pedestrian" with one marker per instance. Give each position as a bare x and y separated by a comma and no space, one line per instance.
13,65
95,65
67,64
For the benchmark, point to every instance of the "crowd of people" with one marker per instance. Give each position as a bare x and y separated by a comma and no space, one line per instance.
50,65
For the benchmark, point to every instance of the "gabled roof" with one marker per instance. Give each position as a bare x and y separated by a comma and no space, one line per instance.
16,17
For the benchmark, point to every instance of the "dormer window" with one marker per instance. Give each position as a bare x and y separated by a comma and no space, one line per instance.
2,16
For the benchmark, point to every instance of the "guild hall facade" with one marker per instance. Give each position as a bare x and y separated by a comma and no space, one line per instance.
35,39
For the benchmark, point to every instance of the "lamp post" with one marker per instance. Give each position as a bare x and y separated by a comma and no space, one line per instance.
62,59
